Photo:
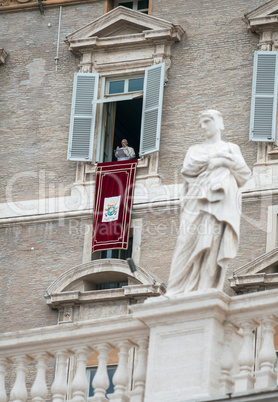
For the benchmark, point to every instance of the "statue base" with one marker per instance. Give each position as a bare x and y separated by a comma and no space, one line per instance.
185,347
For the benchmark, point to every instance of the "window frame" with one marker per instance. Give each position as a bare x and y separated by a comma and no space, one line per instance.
103,108
126,80
100,129
264,99
112,366
135,5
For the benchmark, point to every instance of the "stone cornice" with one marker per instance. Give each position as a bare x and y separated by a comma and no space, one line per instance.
264,9
259,264
7,6
243,284
95,267
263,18
256,275
123,29
80,46
106,25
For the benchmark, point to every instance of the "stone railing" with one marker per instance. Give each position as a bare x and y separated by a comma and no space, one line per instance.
221,345
249,366
202,345
29,352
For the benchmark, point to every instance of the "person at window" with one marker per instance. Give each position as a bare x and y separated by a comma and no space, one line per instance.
125,153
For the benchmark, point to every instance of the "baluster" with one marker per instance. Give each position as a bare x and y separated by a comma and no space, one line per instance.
244,381
137,394
101,379
120,378
266,377
19,390
80,383
227,362
3,365
59,386
39,389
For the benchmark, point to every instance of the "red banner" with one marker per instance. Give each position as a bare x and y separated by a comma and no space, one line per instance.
113,204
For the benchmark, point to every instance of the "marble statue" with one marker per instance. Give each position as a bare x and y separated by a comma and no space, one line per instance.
213,172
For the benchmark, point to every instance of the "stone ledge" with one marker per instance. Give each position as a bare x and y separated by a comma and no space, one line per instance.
23,5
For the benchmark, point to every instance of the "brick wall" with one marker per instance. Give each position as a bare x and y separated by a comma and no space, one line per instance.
32,257
36,100
211,68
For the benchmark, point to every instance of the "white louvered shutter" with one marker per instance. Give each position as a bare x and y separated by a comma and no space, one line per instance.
152,109
264,97
82,122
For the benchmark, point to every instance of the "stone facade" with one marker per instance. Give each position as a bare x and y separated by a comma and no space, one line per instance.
46,202
43,222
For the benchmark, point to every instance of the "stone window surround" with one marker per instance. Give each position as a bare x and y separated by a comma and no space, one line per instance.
68,292
263,22
136,227
272,228
122,55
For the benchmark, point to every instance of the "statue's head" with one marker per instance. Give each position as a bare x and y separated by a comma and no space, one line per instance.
213,115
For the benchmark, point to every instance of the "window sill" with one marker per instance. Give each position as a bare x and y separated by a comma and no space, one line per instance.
147,168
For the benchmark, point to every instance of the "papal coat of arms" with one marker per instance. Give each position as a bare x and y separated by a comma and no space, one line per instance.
111,209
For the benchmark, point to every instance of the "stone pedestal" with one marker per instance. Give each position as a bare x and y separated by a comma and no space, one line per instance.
186,343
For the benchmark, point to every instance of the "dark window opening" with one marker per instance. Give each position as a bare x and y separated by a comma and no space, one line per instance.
114,285
110,371
123,121
140,5
128,4
118,253
143,5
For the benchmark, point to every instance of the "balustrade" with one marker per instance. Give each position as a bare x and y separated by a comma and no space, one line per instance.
45,347
39,389
3,365
265,376
246,364
80,383
227,362
254,322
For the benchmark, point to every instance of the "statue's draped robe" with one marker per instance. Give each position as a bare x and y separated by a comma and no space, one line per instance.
210,219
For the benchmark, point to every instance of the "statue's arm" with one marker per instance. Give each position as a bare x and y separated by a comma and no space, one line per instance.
239,169
232,160
195,162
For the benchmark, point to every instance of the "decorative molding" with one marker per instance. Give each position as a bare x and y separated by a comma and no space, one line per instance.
3,55
259,264
258,274
124,41
254,283
267,8
23,5
263,18
71,279
74,292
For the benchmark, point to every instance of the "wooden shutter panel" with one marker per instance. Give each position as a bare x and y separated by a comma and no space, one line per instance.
264,97
82,123
152,109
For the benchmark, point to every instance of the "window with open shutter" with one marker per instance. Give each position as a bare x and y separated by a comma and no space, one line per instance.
152,109
264,97
81,135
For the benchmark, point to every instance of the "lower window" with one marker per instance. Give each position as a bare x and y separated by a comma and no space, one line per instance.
91,372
